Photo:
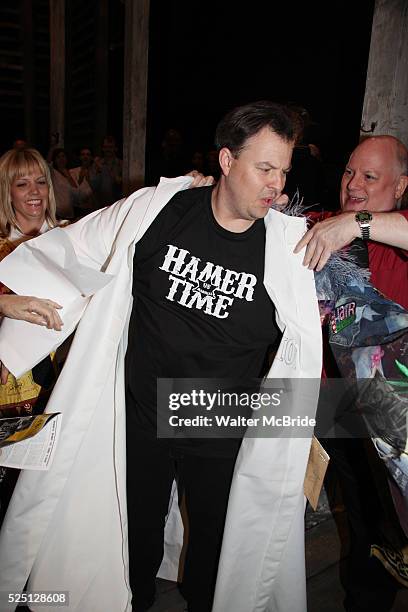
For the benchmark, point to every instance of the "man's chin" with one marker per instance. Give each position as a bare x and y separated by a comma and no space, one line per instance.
261,212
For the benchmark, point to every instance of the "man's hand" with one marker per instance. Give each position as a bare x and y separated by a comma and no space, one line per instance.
31,309
199,179
325,237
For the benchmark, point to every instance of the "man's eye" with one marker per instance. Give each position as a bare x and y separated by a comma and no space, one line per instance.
348,172
370,177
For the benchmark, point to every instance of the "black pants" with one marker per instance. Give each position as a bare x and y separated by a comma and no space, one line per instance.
369,587
205,481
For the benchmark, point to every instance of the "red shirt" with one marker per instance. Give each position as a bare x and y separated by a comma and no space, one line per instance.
388,265
389,269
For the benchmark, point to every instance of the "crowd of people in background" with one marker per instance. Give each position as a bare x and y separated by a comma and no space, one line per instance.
82,181
85,180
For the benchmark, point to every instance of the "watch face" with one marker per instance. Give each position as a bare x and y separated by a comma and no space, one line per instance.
363,216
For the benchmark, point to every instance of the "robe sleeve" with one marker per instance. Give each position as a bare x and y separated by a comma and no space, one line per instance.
93,237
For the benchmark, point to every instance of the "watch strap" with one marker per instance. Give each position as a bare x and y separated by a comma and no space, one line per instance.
365,231
363,219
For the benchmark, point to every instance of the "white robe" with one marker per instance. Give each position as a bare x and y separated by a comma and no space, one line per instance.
66,529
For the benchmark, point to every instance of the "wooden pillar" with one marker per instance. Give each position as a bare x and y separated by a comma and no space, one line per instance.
28,72
57,69
135,93
101,74
385,108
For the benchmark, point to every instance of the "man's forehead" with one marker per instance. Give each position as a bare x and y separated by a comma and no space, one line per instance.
375,153
265,144
267,134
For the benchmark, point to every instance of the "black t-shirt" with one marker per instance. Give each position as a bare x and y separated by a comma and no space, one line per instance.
200,307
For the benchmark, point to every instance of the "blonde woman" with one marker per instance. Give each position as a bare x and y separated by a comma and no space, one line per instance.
27,209
27,201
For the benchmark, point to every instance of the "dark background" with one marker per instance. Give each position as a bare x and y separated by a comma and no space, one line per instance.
204,58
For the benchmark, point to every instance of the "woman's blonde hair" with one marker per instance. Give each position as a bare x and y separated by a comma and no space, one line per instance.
15,164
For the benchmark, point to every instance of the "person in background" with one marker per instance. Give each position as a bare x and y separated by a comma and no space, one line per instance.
373,183
173,154
307,175
109,167
171,159
212,163
54,144
198,161
68,194
20,144
88,174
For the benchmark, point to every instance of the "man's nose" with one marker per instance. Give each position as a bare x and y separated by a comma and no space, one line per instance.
276,181
354,182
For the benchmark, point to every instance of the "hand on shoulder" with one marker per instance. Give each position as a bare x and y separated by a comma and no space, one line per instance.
199,180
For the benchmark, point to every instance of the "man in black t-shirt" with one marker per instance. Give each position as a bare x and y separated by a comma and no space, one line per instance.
200,311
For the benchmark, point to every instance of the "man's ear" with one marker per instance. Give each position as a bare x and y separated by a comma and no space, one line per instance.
401,186
225,158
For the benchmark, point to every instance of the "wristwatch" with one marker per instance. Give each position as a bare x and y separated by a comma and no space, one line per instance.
363,218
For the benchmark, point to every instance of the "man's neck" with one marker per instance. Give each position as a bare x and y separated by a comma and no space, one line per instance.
225,213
